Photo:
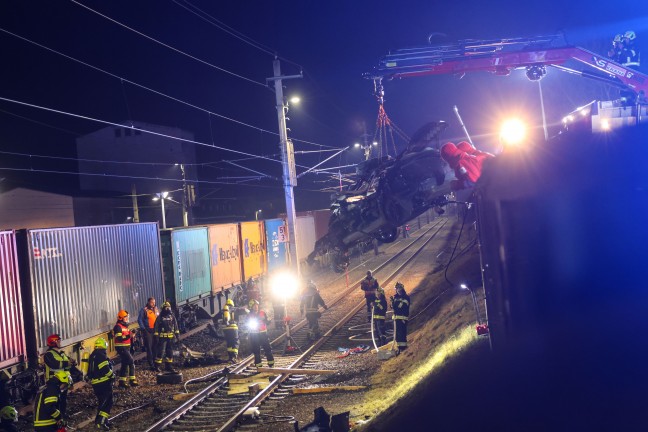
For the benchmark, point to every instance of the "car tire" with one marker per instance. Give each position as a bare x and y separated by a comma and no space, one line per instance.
169,378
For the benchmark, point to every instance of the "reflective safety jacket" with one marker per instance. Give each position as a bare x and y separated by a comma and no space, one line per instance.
100,367
123,335
401,306
166,326
380,307
262,320
147,316
369,286
55,360
311,300
46,405
229,317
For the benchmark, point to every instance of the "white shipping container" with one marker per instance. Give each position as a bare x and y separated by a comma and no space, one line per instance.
306,236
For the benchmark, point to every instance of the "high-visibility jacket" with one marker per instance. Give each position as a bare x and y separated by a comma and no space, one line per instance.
369,286
55,360
311,300
380,307
262,319
166,326
401,306
46,405
123,336
229,317
100,367
147,316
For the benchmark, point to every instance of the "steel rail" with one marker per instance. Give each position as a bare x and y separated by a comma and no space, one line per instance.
241,366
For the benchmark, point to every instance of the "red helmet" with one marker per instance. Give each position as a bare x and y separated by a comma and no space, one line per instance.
52,339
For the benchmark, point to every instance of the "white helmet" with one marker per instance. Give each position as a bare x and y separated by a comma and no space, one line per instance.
630,35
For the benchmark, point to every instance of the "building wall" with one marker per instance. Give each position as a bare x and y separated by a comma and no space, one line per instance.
26,208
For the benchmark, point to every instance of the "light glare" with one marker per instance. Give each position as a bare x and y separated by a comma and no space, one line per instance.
513,131
284,285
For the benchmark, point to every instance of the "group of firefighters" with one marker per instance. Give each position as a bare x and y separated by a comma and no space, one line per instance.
159,329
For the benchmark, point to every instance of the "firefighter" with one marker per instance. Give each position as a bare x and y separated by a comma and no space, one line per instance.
56,360
123,341
614,52
166,330
231,330
311,300
146,320
630,55
8,413
400,304
47,409
369,285
258,328
252,290
379,316
100,372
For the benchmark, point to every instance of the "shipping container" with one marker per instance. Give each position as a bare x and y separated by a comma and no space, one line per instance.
253,249
75,280
12,336
276,238
185,255
305,232
322,218
225,256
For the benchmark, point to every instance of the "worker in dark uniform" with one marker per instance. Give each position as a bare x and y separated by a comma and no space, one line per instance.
166,331
257,322
146,320
311,300
379,316
630,55
615,50
8,413
369,285
400,304
123,341
100,372
252,290
231,330
47,412
56,360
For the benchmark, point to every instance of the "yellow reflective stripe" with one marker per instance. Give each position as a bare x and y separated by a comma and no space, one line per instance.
379,316
122,343
56,413
104,414
403,301
103,363
51,399
118,334
44,422
399,317
100,380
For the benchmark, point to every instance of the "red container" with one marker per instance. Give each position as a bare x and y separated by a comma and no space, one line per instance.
12,340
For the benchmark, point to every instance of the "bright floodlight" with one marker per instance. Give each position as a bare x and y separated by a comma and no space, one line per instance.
356,145
605,124
375,143
165,194
463,286
295,99
284,285
513,131
156,198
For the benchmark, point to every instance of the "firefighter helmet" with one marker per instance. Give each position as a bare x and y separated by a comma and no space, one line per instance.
9,413
166,304
369,274
630,35
617,38
253,302
63,376
101,343
52,339
400,286
229,302
122,314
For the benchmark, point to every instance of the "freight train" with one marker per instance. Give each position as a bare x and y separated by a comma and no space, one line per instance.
72,281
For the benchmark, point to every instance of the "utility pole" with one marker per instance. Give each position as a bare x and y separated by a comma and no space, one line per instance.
185,198
287,161
135,208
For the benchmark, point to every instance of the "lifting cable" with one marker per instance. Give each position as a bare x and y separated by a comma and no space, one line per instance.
385,127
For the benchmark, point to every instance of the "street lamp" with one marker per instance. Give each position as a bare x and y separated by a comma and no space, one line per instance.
482,328
162,196
284,285
256,214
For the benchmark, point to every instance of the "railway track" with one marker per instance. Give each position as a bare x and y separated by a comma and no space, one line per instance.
212,409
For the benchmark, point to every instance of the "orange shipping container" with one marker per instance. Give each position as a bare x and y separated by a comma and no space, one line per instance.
253,248
225,256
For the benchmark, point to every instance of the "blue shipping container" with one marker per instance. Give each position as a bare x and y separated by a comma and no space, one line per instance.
186,252
276,237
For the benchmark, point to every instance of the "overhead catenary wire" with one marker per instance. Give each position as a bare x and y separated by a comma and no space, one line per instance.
170,47
157,92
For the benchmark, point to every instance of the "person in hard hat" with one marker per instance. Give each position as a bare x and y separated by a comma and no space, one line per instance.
101,375
616,49
369,285
257,322
400,304
146,320
252,290
630,55
47,409
379,316
56,360
123,342
230,313
8,413
165,331
310,302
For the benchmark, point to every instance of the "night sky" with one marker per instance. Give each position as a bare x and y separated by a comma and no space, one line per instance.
333,43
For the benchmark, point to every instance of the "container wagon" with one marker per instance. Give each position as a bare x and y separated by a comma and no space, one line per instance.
13,350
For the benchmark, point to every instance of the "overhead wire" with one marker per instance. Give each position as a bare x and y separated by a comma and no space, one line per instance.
157,92
169,46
